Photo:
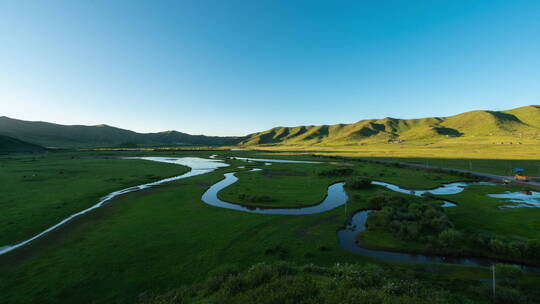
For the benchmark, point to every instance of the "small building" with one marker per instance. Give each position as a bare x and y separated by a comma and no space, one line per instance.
518,170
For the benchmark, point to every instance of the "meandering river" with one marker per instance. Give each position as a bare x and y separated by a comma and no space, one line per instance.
336,196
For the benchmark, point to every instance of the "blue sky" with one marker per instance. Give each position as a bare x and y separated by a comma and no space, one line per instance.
236,67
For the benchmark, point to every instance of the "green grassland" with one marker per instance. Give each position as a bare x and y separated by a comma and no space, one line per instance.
158,239
40,190
493,166
505,138
475,213
286,185
460,149
474,157
280,185
380,239
473,203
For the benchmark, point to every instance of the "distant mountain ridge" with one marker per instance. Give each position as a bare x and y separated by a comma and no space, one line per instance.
79,136
523,122
518,122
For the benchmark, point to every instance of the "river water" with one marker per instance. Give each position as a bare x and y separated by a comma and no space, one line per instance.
198,166
336,196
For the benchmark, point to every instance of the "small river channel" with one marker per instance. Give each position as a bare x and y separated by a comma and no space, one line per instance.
357,223
336,196
198,166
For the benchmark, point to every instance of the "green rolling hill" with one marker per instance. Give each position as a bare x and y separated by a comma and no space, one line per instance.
78,136
10,145
523,122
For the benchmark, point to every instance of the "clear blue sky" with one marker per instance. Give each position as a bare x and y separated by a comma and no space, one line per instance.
235,67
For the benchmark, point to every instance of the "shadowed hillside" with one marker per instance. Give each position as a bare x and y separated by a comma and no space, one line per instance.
10,144
55,135
521,122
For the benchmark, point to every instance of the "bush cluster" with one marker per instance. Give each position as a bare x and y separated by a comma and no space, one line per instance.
478,243
337,172
407,219
359,183
281,282
423,220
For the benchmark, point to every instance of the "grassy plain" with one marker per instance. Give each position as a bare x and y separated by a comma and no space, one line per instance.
286,185
39,190
475,213
157,239
495,158
280,185
494,166
163,237
473,204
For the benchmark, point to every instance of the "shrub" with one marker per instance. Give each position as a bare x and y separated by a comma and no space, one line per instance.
450,238
271,283
359,183
407,218
337,172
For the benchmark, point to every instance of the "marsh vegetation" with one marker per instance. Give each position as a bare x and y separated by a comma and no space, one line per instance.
164,243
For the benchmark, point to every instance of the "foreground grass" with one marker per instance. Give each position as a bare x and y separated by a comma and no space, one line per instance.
40,190
282,282
157,239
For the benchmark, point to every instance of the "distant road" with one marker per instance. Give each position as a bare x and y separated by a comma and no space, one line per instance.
531,184
501,178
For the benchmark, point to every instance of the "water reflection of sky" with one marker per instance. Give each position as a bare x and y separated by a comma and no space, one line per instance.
530,199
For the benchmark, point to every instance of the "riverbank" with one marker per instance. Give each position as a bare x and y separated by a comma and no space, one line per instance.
163,237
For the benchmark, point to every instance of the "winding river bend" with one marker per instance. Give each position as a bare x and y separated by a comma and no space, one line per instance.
347,237
335,197
445,189
357,224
